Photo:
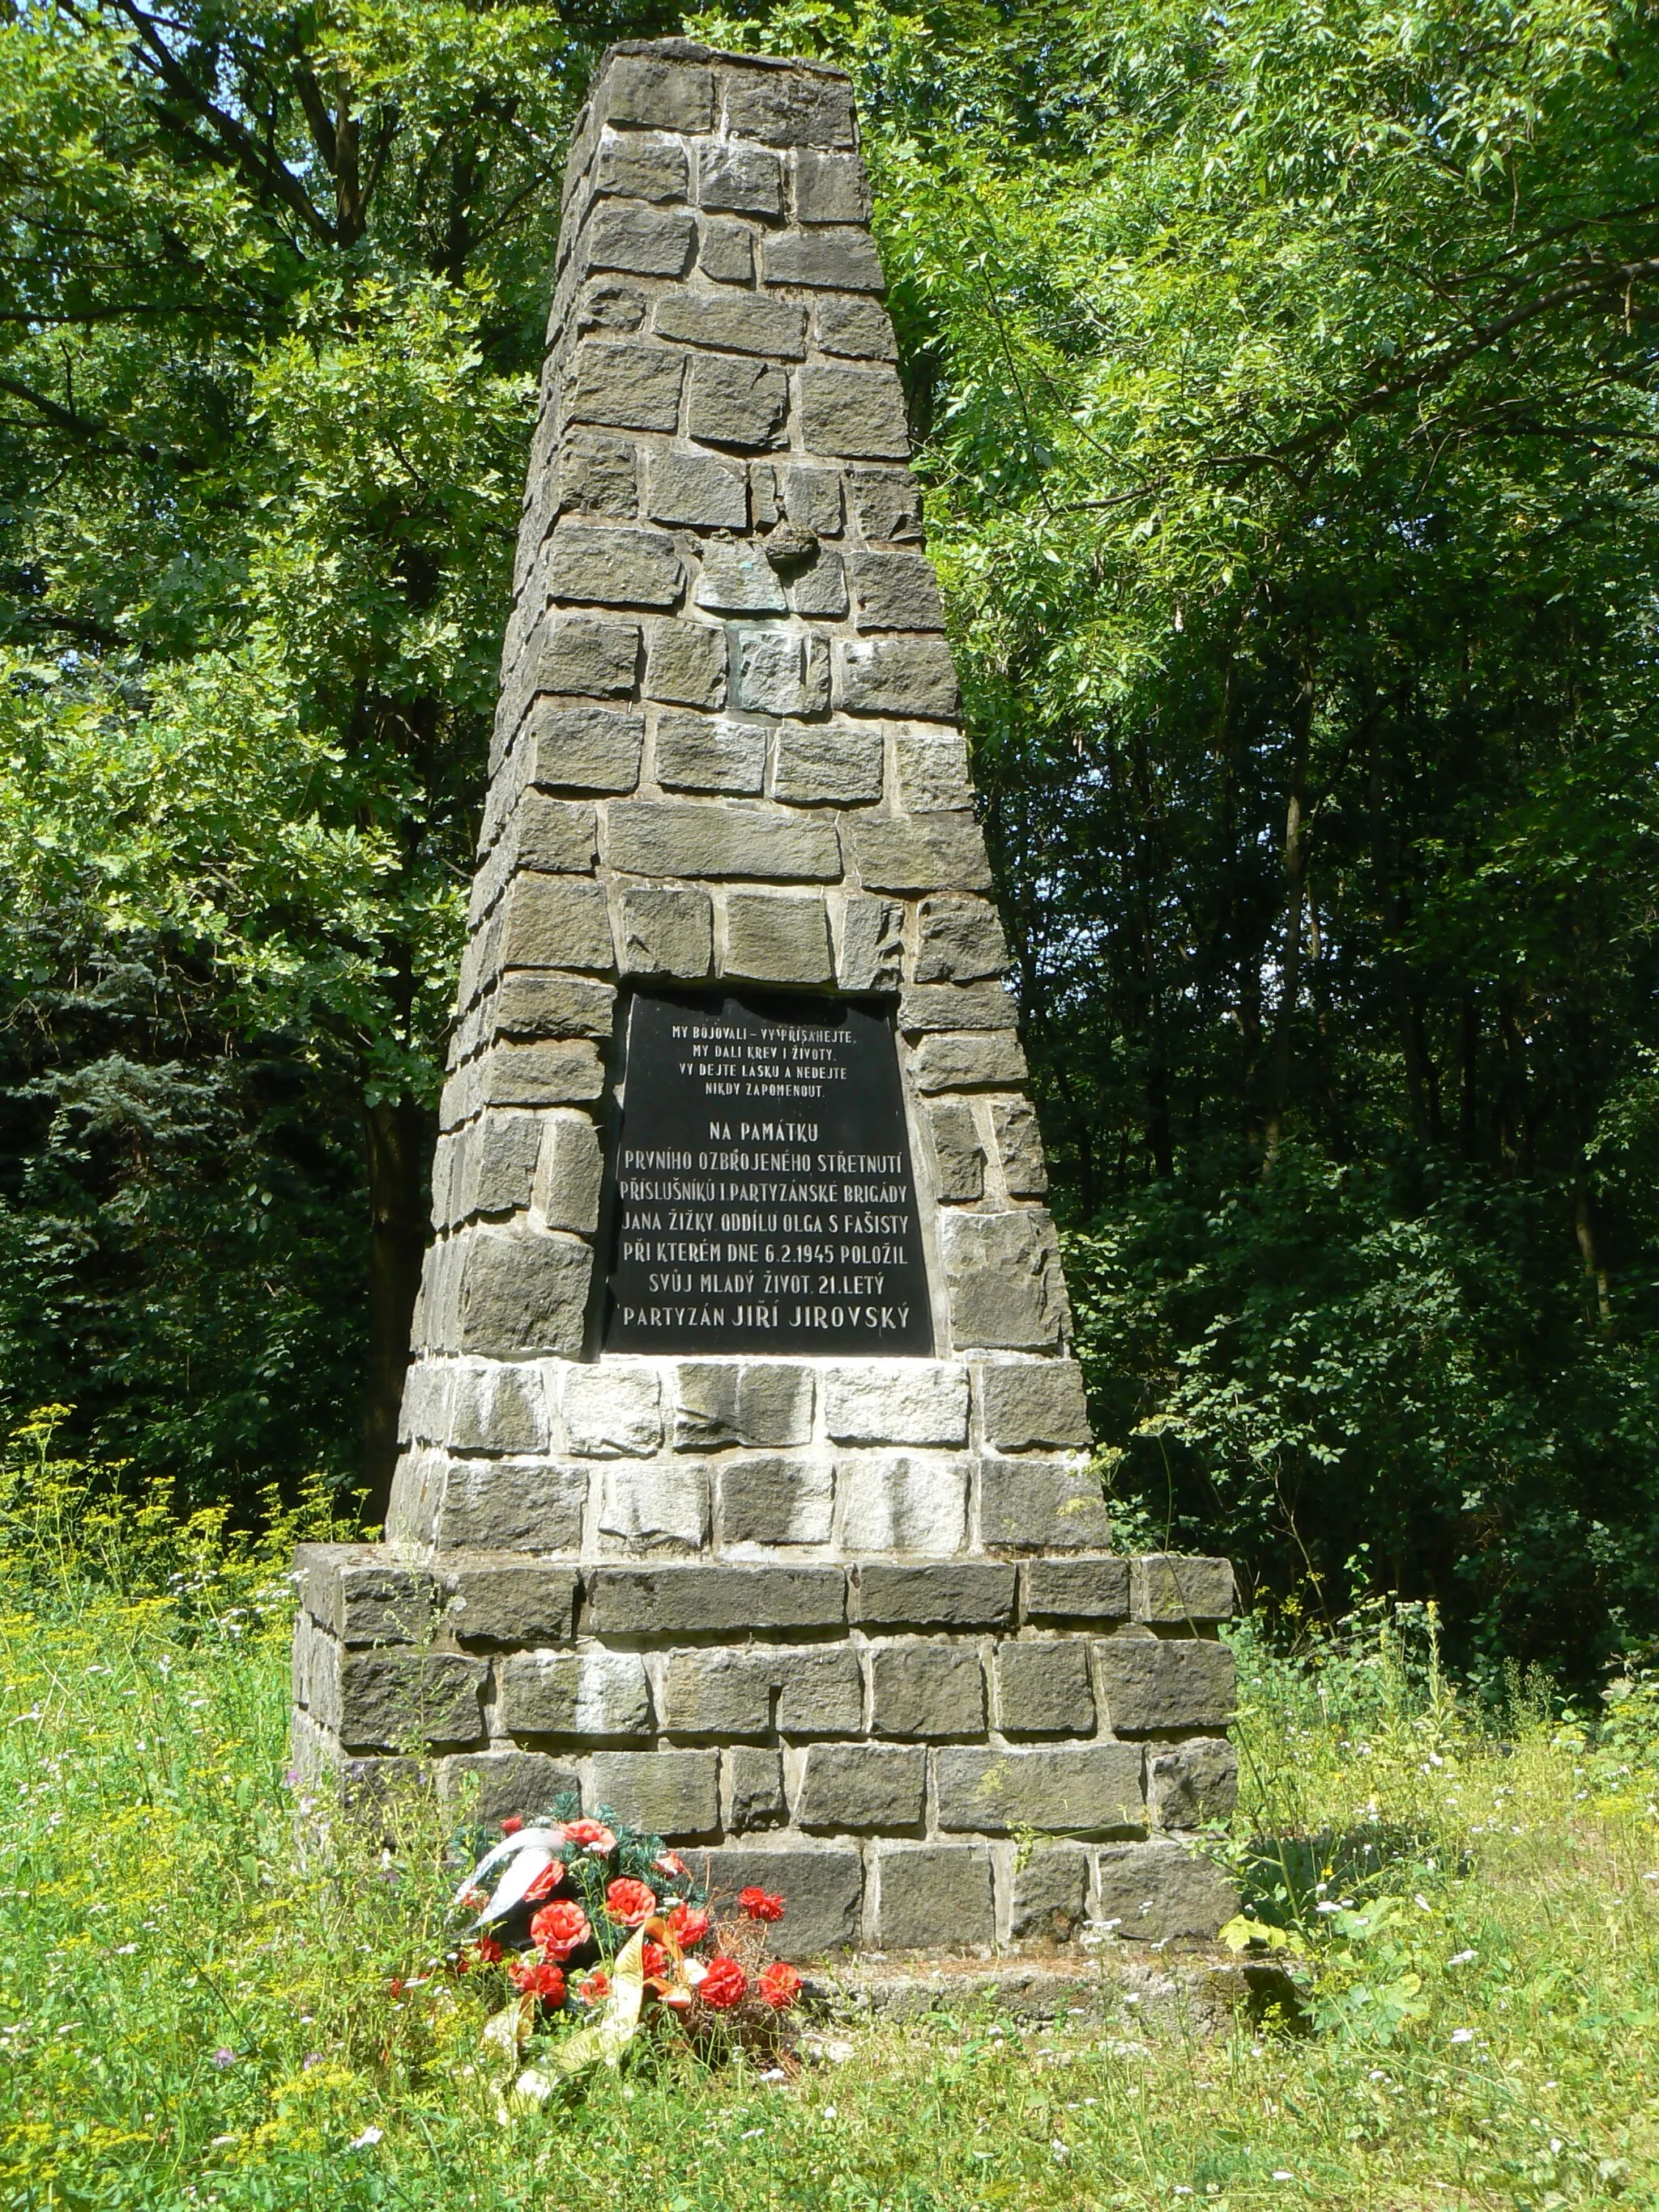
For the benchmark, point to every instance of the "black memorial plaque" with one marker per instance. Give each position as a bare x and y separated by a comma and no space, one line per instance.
761,1197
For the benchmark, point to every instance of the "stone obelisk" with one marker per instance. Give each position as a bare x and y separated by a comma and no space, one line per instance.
744,1485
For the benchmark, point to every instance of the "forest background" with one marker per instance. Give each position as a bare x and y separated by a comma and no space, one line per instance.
1284,380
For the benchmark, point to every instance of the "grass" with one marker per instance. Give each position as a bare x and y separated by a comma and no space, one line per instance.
196,2003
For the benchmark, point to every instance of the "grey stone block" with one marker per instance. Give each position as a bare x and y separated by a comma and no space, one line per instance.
697,491
643,242
1082,1788
820,1691
754,1789
605,303
1031,1404
496,1405
740,179
739,580
674,1794
718,1692
492,1786
535,1075
771,667
521,1293
1159,1682
1077,1590
935,1897
1019,1146
1050,1888
541,1003
1155,1891
954,1006
790,107
393,1699
600,476
1038,1505
757,1402
655,1508
664,931
763,495
915,856
612,1411
811,498
823,1892
511,1604
1043,1689
777,937
362,1600
630,387
771,1501
736,402
967,1059
829,763
820,588
728,251
830,188
895,1503
619,567
686,664
847,1787
642,169
1171,1587
699,1600
855,412
958,1154
926,1689
901,1401
568,1174
511,1505
649,95
599,658
933,771
959,1594
709,752
719,837
959,941
738,322
558,835
829,261
1003,1280
598,1695
581,748
869,936
897,591
859,329
1193,1782
887,502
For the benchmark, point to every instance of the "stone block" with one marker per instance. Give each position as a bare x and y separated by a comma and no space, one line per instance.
753,1794
714,1601
511,1505
755,1402
1077,1590
820,1691
604,303
1044,1688
611,1411
521,1293
642,241
556,1074
617,566
686,664
567,1191
848,1787
830,188
719,838
869,935
958,1154
664,931
895,1401
897,591
811,498
822,1891
496,1406
887,502
1019,1147
658,1508
740,179
967,1059
558,835
1085,1788
739,580
1029,1405
1003,1280
718,1692
1051,1889
1170,1588
959,940
710,752
601,659
542,1003
736,402
858,413
674,1794
738,322
828,764
895,1503
598,475
954,1006
696,491
1151,1893
644,94
829,261
493,1786
625,387
914,856
763,495
1037,1505
510,1603
859,329
937,1898
642,169
820,589
926,1689
1193,1782
581,748
777,937
960,1593
771,1501
1164,1682
791,106
771,665
387,1700
728,251
598,1695
933,771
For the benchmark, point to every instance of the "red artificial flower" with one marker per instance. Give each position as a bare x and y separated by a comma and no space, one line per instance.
487,1951
538,1978
511,1825
724,1985
474,1900
629,1901
759,1906
592,1836
671,1864
593,1987
560,1927
545,1883
688,1925
779,1985
654,1961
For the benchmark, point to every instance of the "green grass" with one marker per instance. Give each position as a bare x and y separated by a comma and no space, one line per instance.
196,2000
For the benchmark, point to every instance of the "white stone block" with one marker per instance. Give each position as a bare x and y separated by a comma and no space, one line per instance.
892,1503
655,1508
496,1405
611,1412
896,1401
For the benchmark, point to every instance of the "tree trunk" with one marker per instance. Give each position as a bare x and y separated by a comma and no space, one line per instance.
1289,961
397,1136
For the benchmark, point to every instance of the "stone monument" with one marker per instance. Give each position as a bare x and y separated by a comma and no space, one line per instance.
744,1487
